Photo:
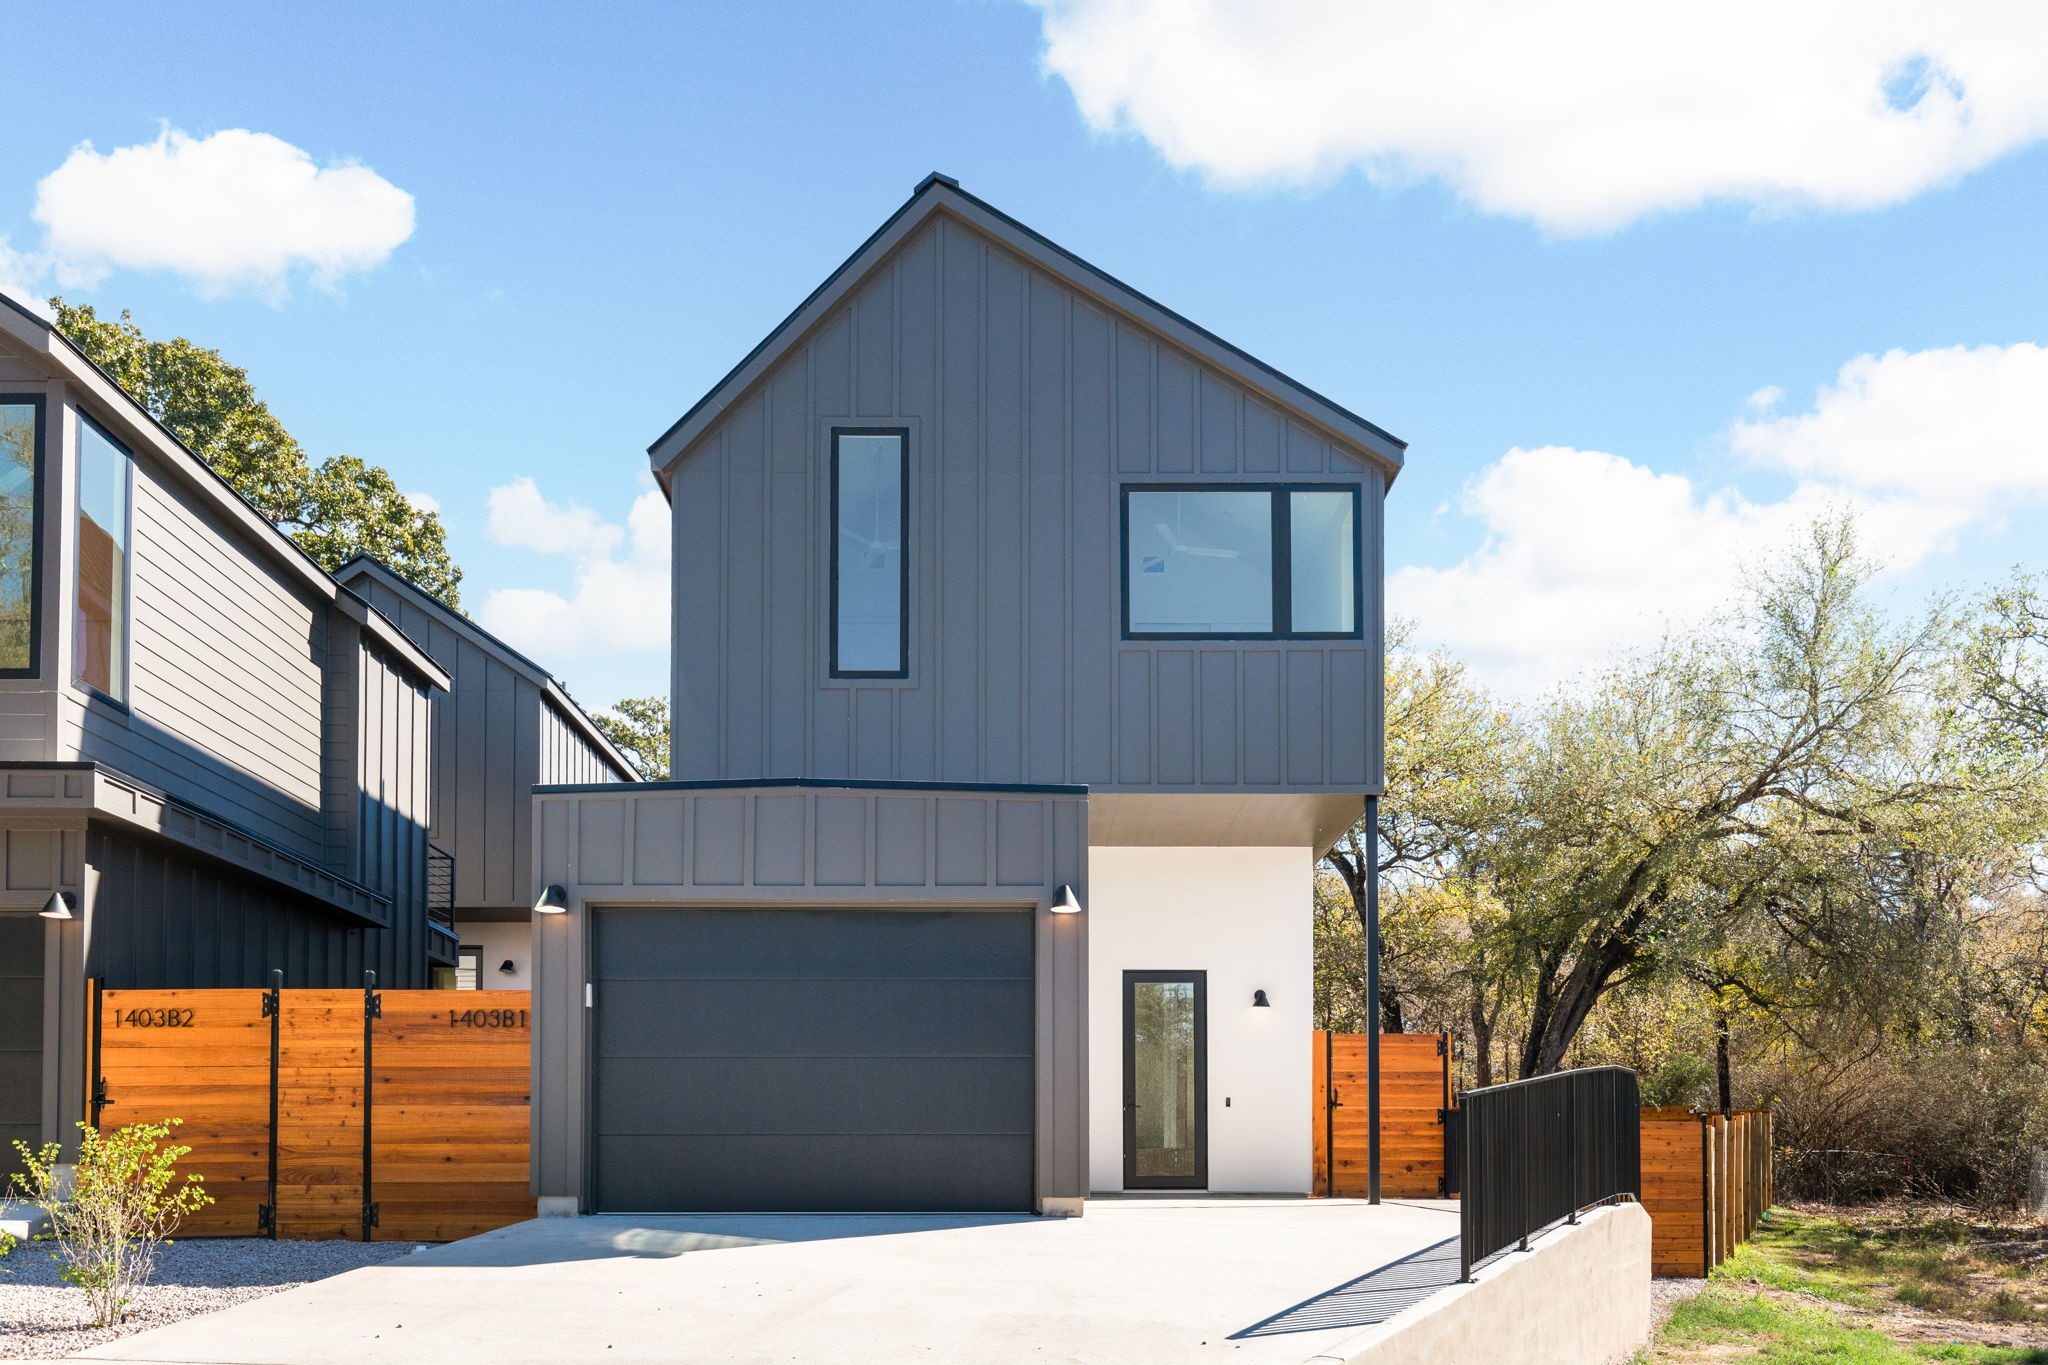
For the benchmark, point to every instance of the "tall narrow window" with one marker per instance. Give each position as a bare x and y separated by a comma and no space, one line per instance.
21,439
102,589
870,583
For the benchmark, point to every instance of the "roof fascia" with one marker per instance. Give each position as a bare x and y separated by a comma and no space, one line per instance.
392,638
938,194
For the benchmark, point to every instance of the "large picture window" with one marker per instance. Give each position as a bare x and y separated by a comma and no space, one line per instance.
21,465
870,577
101,636
1243,561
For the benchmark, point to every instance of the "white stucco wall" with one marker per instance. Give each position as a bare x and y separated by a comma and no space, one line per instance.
501,940
1243,916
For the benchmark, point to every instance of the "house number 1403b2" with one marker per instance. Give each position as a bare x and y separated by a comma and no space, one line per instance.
486,1018
168,1018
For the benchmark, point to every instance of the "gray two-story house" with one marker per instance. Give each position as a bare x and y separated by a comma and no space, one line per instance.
1027,655
503,726
214,758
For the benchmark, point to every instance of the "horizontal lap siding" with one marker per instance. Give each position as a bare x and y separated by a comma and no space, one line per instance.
1028,405
226,659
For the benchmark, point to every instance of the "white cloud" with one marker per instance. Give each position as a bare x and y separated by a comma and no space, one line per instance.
1960,429
521,517
1580,115
1585,552
621,596
21,276
235,210
423,502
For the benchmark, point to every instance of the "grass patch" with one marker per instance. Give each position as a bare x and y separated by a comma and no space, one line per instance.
1870,1287
1789,1333
1934,1262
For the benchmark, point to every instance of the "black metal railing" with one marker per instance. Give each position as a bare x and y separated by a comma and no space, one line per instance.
441,886
1540,1152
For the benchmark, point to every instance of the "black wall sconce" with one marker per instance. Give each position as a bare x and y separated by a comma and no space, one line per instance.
1259,1000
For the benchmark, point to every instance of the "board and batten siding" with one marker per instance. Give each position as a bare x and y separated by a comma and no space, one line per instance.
495,737
814,846
566,757
395,790
1028,405
225,670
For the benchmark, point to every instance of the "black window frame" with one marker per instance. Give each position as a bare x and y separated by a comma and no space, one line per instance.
1283,559
902,670
39,497
1200,1179
126,661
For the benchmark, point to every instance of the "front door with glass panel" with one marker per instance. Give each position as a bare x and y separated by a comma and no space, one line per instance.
1166,1085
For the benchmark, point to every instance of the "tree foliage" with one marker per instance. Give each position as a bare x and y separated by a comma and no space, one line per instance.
639,726
336,509
1803,841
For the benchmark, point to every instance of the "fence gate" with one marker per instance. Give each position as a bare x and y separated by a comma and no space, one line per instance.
204,1057
1415,1096
330,1113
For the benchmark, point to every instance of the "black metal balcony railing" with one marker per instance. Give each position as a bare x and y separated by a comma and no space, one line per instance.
441,887
1540,1152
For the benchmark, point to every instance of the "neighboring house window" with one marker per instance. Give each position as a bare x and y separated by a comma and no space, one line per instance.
1245,561
870,581
21,445
104,471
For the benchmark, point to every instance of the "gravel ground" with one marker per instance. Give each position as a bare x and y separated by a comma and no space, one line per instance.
40,1316
1666,1295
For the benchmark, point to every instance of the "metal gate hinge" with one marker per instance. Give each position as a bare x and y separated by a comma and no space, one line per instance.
269,1003
1443,1046
373,1005
263,1218
370,1216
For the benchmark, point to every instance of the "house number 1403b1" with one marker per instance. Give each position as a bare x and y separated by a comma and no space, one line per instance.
486,1018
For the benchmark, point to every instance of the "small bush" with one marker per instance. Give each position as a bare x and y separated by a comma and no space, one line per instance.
124,1202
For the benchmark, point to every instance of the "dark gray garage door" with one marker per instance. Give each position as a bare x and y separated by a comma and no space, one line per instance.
21,1038
827,1060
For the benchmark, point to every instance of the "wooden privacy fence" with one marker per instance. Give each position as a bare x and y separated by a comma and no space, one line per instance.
388,1115
1415,1097
1706,1184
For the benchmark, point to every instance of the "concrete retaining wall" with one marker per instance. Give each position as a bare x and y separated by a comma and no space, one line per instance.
1579,1296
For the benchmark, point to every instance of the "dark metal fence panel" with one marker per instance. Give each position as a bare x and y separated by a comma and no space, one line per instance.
1538,1152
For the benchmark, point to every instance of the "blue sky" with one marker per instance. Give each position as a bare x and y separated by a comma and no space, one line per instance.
1568,306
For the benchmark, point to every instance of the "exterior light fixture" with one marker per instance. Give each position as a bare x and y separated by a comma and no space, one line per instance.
60,906
1064,902
507,968
1259,1000
554,900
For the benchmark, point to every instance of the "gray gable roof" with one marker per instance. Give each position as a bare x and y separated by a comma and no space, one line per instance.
938,194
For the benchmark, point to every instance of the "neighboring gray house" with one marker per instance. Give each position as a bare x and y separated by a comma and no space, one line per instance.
1027,655
214,759
503,726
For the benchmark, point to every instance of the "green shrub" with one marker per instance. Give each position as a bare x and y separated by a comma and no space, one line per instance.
124,1201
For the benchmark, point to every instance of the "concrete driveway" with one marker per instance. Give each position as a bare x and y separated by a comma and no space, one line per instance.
1134,1280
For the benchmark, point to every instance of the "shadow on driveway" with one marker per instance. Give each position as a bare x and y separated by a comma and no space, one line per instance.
552,1241
1370,1299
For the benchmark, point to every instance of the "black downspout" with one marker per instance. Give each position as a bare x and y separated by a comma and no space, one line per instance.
1372,999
